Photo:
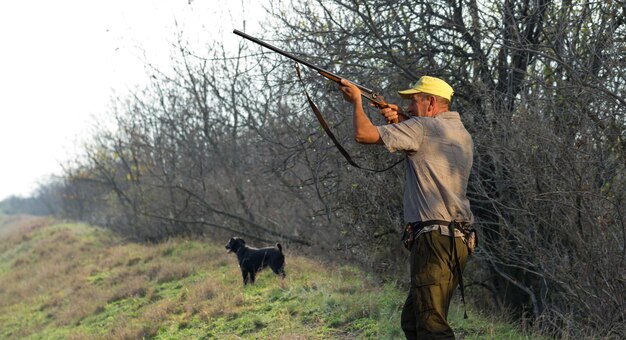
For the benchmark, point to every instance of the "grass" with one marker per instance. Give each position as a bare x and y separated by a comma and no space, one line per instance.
74,281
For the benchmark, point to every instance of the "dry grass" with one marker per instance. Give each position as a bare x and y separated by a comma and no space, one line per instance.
204,290
14,227
81,302
168,271
129,330
79,278
70,281
224,303
75,277
135,286
158,312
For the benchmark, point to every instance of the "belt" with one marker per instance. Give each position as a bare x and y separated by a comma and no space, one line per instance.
421,227
422,224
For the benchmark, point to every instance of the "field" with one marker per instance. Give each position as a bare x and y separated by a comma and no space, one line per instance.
74,281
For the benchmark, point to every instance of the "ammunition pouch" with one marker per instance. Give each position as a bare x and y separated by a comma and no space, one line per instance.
471,239
408,236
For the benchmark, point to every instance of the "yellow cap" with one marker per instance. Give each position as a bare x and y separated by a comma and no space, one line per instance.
430,85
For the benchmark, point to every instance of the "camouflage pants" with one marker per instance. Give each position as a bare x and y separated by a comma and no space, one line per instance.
433,281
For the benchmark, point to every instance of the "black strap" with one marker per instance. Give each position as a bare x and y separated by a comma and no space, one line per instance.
330,134
422,224
452,227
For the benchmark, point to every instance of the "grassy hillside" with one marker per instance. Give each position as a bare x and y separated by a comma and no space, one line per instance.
67,280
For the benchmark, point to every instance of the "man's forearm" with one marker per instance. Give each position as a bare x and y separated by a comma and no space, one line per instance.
364,131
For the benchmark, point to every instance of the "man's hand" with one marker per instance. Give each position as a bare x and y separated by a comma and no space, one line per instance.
364,131
391,113
351,93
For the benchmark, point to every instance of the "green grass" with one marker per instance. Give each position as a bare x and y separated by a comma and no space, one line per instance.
72,281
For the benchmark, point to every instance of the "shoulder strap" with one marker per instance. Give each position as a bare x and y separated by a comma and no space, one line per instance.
330,134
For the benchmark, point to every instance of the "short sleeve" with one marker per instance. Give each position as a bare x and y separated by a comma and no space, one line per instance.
404,136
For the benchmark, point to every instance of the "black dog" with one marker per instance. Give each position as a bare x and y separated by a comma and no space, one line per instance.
252,260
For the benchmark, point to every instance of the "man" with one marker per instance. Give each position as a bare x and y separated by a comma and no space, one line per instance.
438,151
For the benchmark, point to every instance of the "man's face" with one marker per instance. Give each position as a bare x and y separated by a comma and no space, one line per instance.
419,105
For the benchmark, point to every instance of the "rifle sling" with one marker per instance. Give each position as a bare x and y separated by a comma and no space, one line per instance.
330,134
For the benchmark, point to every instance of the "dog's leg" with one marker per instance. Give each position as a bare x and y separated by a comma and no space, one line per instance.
245,277
252,277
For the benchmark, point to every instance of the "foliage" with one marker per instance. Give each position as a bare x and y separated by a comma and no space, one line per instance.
19,205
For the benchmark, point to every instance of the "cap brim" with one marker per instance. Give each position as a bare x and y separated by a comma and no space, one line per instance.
407,94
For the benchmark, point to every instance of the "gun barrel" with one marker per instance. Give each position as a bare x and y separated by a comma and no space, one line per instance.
303,62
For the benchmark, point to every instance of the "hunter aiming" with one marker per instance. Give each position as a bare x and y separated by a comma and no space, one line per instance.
438,159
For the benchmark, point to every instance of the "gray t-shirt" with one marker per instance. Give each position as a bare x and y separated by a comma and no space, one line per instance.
439,154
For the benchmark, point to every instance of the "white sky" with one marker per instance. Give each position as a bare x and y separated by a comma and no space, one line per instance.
61,61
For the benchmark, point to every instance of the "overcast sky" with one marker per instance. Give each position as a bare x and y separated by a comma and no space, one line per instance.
62,61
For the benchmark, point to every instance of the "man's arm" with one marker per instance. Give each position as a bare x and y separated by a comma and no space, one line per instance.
364,131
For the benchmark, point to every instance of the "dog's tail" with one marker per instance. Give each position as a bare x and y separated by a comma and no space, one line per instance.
280,248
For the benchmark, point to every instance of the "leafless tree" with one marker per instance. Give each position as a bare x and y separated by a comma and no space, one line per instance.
224,143
540,85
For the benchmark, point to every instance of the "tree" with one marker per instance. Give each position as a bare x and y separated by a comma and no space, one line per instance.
538,85
224,144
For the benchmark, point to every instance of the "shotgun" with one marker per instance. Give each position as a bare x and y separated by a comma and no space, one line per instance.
366,93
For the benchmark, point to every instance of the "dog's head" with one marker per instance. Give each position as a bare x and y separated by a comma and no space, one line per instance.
235,244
